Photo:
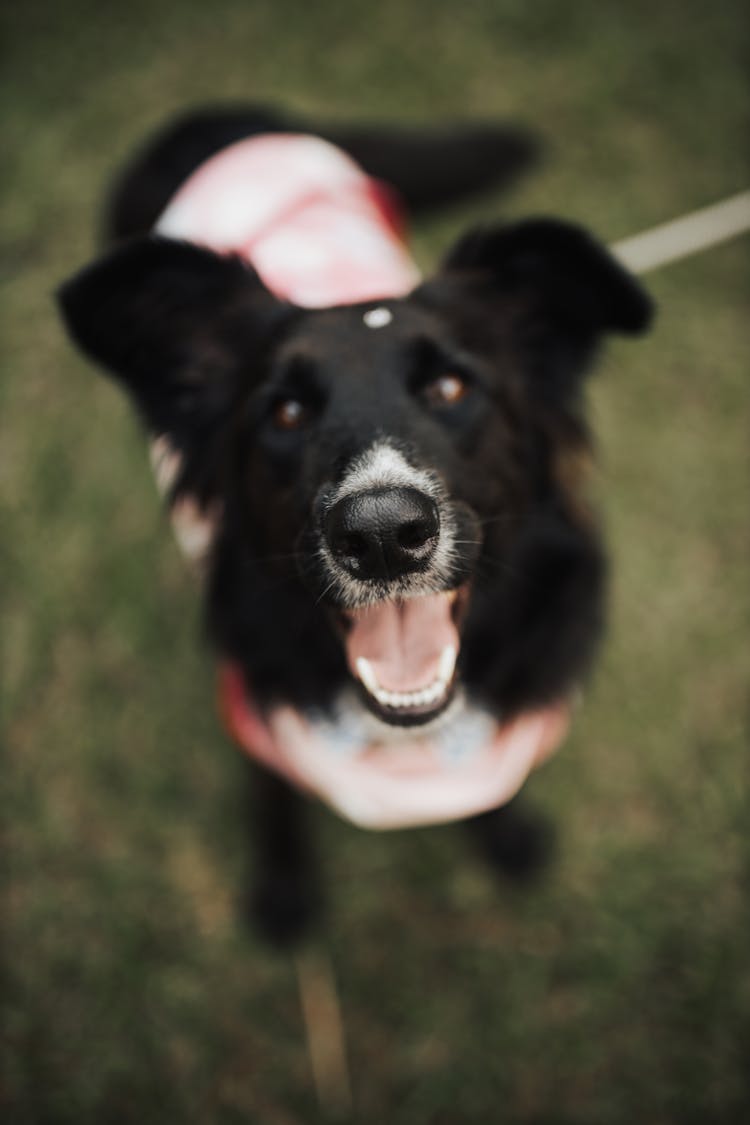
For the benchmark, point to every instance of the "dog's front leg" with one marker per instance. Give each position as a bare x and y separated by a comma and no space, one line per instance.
283,897
516,841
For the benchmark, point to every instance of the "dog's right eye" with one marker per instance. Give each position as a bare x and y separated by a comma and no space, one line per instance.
446,390
290,414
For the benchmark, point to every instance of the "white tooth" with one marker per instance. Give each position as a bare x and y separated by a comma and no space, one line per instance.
399,700
367,675
447,663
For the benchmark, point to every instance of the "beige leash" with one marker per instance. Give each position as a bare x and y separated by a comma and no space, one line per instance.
324,1029
687,235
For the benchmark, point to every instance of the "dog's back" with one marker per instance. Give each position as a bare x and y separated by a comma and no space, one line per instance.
428,167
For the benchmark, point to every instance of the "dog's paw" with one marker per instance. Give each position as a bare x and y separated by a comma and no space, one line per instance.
516,842
282,909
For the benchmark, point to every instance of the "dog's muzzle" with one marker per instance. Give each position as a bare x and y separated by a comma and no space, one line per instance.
384,533
392,559
399,624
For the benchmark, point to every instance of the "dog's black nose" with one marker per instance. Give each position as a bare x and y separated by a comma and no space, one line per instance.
383,533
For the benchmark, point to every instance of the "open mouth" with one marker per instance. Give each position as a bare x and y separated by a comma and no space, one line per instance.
403,654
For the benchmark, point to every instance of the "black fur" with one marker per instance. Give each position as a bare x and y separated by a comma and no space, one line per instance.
207,353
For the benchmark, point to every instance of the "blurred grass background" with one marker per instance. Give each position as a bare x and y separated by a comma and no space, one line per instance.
618,990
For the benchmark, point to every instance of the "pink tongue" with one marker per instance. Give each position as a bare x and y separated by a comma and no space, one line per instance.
403,641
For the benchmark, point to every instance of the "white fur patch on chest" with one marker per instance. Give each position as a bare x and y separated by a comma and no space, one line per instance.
459,733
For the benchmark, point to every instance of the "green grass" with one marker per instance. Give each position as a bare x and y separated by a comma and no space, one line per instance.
619,990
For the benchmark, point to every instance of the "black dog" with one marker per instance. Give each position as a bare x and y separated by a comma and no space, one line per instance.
403,577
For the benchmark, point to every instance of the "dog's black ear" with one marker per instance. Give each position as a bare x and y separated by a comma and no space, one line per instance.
178,325
571,273
554,284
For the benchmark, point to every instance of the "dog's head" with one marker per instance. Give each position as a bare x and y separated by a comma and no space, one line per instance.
386,457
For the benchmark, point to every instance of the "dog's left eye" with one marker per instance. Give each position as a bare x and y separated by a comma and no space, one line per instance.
290,414
446,390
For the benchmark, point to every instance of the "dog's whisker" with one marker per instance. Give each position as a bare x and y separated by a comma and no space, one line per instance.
327,589
499,566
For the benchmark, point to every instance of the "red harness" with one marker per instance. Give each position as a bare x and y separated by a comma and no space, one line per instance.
315,227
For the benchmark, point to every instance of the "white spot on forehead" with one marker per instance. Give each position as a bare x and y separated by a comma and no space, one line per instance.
378,318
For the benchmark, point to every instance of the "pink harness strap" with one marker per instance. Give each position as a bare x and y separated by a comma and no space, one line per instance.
317,229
